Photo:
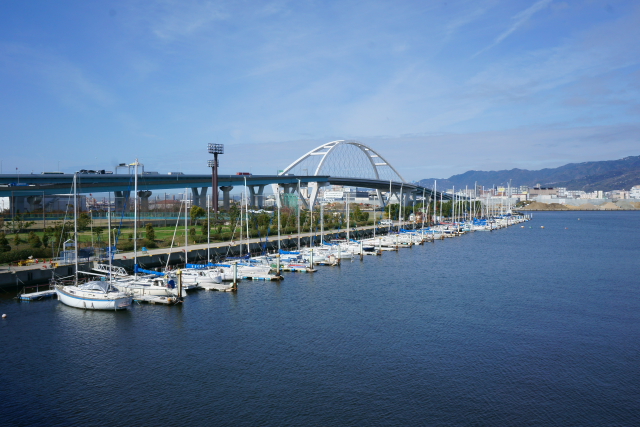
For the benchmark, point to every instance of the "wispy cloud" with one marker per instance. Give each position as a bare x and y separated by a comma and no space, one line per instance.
472,12
518,21
171,19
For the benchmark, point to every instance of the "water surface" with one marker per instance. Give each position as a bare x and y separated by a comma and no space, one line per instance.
518,327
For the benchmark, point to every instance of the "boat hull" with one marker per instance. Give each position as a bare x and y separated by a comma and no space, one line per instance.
91,300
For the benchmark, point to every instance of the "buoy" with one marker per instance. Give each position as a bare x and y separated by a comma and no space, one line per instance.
542,226
578,219
566,228
522,226
4,316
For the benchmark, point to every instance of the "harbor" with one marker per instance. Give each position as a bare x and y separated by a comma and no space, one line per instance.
332,250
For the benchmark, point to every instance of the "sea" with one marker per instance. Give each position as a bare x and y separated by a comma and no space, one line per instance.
533,325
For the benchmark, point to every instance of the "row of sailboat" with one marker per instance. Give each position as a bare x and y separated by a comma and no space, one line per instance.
115,289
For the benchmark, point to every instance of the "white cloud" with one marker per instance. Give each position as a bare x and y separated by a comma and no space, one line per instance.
519,20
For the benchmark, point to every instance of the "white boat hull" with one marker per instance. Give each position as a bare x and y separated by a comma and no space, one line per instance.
71,296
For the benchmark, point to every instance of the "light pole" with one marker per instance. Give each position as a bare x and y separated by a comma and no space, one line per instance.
214,149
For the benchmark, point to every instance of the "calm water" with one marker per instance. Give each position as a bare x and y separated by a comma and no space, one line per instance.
518,327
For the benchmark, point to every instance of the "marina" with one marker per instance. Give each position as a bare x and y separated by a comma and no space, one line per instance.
335,214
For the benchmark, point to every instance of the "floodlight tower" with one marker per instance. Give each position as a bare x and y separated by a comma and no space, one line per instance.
214,149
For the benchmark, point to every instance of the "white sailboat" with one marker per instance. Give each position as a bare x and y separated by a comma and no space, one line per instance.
149,284
93,295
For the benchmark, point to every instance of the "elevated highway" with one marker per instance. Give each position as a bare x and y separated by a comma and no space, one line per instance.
343,162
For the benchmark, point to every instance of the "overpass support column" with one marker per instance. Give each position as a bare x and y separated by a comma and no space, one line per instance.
144,200
314,188
18,204
255,197
199,197
225,197
35,203
203,197
121,199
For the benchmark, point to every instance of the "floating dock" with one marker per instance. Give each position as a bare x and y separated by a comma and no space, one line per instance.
36,296
299,269
262,277
155,299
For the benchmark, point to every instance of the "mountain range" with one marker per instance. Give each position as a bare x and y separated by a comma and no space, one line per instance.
587,176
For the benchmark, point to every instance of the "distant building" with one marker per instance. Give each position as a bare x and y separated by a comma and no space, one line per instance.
619,194
542,191
634,193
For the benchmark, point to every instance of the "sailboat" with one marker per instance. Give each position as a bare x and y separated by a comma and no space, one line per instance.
153,283
93,295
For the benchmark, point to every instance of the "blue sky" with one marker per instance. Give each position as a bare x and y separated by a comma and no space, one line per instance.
438,88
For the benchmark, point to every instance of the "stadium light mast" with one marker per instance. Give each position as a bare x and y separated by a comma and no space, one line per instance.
214,149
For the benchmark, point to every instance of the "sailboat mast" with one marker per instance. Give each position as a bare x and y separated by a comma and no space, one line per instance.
298,214
311,227
186,235
109,232
135,219
389,208
247,214
75,221
278,220
425,205
374,219
321,224
435,201
348,222
401,218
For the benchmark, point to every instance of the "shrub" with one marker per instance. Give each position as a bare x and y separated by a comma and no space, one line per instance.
150,232
34,240
149,244
16,255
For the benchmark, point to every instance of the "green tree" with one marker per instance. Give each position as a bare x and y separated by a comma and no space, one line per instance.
84,221
45,240
234,214
204,227
150,232
192,233
196,213
16,239
98,232
392,211
59,232
19,224
34,240
4,243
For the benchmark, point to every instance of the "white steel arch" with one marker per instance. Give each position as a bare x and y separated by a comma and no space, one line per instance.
350,165
341,158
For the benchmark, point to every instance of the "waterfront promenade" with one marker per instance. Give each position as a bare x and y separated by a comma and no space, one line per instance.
13,276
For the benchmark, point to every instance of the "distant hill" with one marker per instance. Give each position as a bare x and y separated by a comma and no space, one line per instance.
588,176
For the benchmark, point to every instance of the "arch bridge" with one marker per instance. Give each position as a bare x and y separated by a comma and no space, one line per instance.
353,164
